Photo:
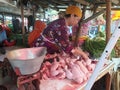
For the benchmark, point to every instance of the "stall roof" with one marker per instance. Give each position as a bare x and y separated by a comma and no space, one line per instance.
62,4
12,6
59,4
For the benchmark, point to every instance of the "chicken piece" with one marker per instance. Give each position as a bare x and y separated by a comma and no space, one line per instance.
82,67
88,61
62,61
54,67
76,73
81,72
91,67
56,70
78,52
44,76
61,74
45,70
49,56
45,66
69,74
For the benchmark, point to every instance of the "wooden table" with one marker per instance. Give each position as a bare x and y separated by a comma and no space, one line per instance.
107,70
66,84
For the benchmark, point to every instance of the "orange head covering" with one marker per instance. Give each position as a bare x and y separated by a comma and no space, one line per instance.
39,26
74,10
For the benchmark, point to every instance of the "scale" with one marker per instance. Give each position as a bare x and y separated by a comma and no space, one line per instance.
26,63
27,82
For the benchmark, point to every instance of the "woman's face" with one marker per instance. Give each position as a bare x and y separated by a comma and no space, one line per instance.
74,20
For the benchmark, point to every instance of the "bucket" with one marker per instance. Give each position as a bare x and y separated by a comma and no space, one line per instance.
27,60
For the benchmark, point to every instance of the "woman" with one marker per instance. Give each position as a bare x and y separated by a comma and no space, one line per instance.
56,35
39,26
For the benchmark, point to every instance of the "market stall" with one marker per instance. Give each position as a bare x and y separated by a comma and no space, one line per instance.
26,76
67,84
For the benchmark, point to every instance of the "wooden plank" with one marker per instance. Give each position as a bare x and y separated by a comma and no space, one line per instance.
93,16
82,2
118,80
115,1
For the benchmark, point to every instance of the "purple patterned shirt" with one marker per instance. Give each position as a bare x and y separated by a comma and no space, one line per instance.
57,35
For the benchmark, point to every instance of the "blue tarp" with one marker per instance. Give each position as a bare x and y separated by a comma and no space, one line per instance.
3,35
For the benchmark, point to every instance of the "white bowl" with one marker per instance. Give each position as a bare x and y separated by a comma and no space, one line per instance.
27,60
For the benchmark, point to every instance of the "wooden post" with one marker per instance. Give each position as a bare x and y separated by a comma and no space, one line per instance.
79,28
93,16
108,35
22,17
108,20
33,8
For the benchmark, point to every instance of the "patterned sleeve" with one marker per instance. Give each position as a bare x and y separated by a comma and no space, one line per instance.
61,38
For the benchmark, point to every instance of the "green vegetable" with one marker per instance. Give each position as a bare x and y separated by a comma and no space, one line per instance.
94,46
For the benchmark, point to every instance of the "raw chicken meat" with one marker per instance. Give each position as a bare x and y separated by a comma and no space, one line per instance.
67,67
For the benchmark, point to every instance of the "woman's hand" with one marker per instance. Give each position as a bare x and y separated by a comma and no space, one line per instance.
79,52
